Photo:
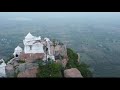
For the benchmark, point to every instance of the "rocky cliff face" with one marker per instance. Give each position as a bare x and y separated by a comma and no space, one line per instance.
30,72
22,68
16,68
9,69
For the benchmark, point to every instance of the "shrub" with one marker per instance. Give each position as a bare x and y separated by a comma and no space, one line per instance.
21,61
73,63
49,70
84,69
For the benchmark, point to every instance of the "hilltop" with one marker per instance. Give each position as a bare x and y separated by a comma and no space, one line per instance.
72,68
45,58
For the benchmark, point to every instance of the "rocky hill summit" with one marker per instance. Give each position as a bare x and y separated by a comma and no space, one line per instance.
45,58
18,68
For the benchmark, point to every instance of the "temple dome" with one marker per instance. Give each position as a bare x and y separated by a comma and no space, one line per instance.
17,51
47,39
18,48
29,36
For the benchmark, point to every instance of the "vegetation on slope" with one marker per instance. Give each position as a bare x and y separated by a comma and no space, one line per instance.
73,63
52,69
49,70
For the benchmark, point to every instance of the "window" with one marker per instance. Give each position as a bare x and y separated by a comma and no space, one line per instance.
16,55
30,47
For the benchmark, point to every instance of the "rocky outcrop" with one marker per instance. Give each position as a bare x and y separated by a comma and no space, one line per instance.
28,72
64,62
9,70
19,69
25,66
31,57
73,72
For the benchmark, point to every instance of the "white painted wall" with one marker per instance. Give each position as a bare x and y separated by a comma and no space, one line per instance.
36,48
17,52
2,72
2,69
48,46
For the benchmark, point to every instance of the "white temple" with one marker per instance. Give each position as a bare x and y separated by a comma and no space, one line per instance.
33,44
2,68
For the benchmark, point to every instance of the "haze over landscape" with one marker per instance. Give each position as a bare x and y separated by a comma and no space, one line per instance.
95,35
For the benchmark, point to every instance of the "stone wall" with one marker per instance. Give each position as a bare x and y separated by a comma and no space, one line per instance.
31,57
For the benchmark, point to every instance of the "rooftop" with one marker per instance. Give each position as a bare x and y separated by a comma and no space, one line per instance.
29,36
18,48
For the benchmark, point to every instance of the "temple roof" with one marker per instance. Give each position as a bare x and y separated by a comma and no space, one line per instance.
2,63
18,48
47,39
29,36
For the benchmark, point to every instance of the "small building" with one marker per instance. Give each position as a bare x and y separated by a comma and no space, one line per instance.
2,68
17,51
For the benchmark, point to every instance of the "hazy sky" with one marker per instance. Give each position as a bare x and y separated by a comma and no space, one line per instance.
59,14
27,16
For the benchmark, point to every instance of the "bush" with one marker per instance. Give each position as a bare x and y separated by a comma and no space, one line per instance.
73,63
49,70
84,69
72,56
21,61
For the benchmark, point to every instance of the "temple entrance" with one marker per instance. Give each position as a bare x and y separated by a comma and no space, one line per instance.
30,47
16,55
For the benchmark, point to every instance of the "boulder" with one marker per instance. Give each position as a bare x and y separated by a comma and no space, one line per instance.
9,69
20,68
24,66
30,65
73,72
28,72
15,63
